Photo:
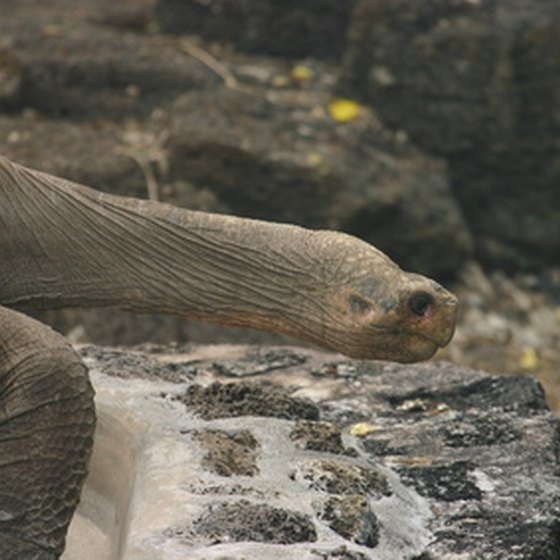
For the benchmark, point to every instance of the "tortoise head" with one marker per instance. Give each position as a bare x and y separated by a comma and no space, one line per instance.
382,312
407,322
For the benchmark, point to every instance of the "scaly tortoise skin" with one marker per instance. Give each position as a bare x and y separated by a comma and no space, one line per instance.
65,245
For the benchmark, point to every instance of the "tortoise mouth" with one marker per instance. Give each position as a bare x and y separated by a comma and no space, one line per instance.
401,345
438,328
413,346
440,339
422,347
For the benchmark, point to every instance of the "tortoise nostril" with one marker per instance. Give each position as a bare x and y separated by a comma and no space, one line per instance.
359,305
419,303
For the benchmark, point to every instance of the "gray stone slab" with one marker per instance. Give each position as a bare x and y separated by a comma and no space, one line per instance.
456,464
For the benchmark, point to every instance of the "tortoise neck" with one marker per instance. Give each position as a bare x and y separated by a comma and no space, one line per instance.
65,245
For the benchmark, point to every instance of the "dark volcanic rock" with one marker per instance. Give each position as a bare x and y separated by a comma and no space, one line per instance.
456,463
477,83
471,449
337,477
246,399
229,453
87,71
294,28
260,363
138,365
11,77
318,436
446,483
92,155
340,553
264,156
244,521
352,518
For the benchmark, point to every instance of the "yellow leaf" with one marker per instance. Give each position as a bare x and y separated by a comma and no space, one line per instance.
301,73
361,429
315,160
344,110
529,359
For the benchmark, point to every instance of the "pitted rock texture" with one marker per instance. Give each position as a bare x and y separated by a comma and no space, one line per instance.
229,454
246,399
244,521
319,436
136,365
337,477
340,553
457,462
352,518
448,483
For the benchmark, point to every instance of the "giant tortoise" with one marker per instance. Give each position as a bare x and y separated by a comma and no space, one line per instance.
66,245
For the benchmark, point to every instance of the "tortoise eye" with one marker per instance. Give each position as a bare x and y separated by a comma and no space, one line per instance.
419,303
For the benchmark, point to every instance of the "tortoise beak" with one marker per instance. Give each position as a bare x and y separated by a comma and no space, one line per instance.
444,320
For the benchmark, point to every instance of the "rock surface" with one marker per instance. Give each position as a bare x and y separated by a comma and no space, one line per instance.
91,155
110,134
450,463
275,155
85,71
477,83
294,28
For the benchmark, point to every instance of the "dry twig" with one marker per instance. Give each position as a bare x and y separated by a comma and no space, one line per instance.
230,81
146,149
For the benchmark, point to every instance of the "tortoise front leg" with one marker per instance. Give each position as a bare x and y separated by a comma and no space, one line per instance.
47,420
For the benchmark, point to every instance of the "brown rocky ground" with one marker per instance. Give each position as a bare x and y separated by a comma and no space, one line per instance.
510,325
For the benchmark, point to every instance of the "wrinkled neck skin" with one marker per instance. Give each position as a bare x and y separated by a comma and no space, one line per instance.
65,245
